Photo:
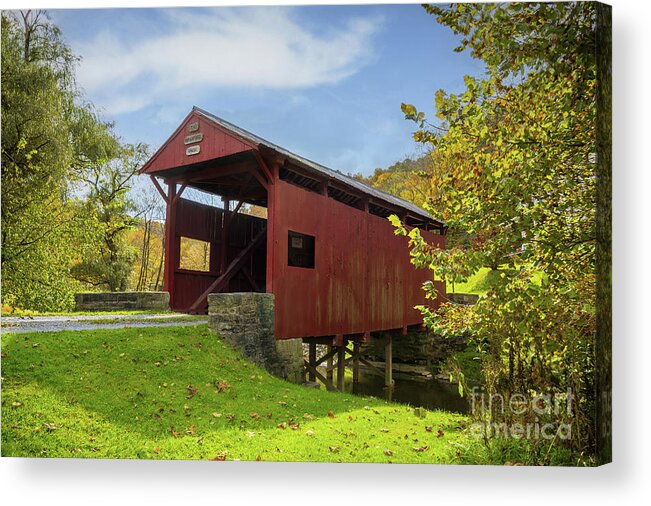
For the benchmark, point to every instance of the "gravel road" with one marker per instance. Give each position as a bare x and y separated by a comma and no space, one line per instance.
91,322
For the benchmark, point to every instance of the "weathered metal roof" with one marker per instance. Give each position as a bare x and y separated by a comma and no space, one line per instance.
321,169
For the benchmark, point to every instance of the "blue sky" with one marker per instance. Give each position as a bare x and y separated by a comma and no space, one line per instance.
323,81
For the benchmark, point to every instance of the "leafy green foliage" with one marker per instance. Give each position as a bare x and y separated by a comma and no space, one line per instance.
49,137
520,151
108,258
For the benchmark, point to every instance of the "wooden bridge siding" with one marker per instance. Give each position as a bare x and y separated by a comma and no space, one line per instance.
216,143
202,222
363,279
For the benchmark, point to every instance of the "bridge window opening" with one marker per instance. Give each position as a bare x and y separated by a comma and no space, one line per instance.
195,255
300,250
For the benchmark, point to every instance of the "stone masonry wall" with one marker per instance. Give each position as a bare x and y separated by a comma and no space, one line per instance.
122,301
246,322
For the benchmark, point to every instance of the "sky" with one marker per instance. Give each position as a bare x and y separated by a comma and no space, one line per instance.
323,81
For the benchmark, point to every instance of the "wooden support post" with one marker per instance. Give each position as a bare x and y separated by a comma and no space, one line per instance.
170,241
329,365
341,368
388,362
355,362
312,359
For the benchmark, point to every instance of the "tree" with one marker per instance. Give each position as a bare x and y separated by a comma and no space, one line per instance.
522,143
49,137
112,213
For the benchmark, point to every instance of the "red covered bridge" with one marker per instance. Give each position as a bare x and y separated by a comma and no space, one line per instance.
325,250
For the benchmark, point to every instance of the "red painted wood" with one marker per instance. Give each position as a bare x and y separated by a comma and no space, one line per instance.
363,280
205,223
216,143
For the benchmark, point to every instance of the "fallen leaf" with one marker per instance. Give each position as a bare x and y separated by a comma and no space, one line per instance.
221,456
254,415
388,452
282,403
258,458
331,414
307,416
230,418
350,418
309,433
16,404
439,433
250,433
282,425
420,448
428,428
222,385
192,430
216,415
334,449
192,391
50,426
157,450
270,415
295,426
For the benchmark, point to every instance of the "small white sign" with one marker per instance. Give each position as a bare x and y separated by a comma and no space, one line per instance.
297,242
193,150
193,127
191,139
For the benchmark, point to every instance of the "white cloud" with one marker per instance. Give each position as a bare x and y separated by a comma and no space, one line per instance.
202,50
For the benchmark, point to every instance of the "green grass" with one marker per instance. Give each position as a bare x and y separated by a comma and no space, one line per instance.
479,282
168,319
130,393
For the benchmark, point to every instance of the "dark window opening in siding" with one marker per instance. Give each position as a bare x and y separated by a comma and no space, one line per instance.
300,250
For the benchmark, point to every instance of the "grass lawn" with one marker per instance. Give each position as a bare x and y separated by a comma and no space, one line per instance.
180,393
479,282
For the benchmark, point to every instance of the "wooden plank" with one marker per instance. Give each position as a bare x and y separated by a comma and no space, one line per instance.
233,268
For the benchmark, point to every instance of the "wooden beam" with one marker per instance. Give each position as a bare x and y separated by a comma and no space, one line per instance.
341,367
180,191
221,171
263,166
388,362
326,381
158,187
356,362
250,279
236,264
331,352
312,359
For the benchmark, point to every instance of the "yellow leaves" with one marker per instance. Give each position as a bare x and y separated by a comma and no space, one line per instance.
216,414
